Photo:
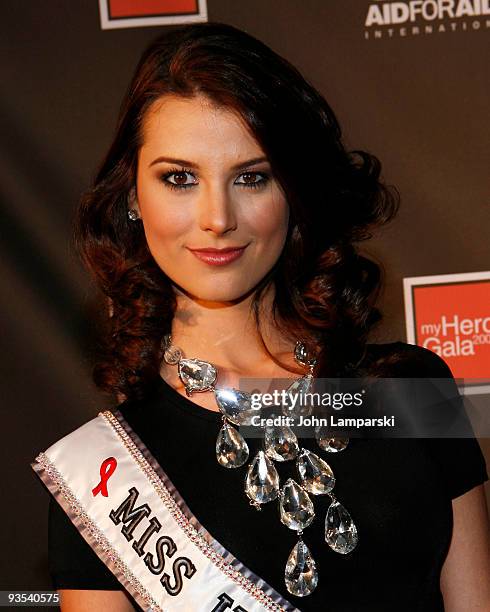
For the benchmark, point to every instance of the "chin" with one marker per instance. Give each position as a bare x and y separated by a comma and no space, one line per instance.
214,294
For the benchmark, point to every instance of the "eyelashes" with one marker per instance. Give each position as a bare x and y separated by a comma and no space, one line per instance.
183,171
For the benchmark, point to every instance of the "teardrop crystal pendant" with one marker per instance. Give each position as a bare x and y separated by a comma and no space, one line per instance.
280,443
236,405
315,473
231,448
340,530
300,576
295,506
303,405
197,375
262,480
327,442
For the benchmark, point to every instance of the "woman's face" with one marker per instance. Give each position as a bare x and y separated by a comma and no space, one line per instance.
204,183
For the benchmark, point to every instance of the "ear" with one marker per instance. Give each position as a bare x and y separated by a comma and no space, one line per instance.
133,201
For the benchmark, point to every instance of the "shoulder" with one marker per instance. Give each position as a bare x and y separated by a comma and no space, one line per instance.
440,408
404,359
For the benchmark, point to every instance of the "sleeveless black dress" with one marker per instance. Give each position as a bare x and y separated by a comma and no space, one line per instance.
398,492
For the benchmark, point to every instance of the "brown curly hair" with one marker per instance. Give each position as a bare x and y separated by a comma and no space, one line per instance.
324,289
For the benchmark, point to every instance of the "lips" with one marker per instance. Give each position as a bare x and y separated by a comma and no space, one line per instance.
218,257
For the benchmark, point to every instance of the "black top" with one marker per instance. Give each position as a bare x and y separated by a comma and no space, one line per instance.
398,492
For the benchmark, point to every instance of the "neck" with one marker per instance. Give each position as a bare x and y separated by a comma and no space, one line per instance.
226,335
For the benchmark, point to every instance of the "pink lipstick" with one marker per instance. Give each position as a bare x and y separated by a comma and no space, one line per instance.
218,257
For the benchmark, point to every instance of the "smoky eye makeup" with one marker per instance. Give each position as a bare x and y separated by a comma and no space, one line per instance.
175,178
179,172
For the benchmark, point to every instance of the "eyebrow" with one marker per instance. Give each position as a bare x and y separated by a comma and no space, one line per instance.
189,164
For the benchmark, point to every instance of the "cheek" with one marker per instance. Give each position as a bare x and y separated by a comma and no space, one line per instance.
270,221
164,221
166,224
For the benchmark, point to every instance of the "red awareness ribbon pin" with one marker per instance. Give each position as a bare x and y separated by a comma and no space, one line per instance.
107,468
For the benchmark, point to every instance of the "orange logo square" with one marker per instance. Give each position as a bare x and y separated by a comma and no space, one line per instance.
137,13
450,315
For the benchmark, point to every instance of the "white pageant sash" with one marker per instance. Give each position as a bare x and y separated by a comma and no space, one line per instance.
127,509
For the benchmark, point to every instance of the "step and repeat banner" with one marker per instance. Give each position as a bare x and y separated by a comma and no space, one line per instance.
408,82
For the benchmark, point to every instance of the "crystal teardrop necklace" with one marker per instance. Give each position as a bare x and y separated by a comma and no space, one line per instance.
262,483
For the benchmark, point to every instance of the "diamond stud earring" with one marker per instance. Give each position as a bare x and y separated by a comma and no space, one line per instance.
132,214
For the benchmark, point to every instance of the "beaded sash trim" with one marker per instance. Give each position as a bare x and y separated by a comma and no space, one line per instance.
204,572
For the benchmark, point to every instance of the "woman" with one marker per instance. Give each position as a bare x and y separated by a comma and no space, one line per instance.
222,223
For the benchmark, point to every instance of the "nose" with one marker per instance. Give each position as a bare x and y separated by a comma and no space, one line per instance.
217,212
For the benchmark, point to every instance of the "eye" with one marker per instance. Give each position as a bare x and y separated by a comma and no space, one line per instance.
179,181
254,184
